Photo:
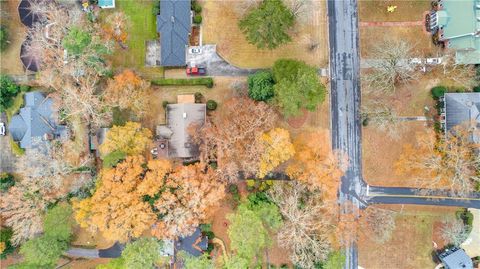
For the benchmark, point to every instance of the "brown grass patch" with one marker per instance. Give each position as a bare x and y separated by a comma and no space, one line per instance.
422,42
220,26
406,10
411,244
10,58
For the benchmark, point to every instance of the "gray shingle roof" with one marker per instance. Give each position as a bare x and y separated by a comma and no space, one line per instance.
174,24
34,120
460,108
179,118
194,244
456,258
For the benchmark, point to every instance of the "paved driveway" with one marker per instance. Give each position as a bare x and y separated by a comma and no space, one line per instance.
7,159
216,65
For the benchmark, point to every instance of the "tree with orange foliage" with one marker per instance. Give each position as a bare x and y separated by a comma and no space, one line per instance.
277,148
117,208
188,198
130,139
231,136
116,27
315,164
128,91
449,164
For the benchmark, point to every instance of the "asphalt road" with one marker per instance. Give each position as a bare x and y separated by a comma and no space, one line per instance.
345,104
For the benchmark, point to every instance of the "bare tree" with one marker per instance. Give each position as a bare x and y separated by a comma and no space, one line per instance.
449,164
454,231
461,74
378,222
383,118
307,223
390,66
301,9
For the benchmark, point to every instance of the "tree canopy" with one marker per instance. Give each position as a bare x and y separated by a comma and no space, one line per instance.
8,90
260,86
3,38
76,41
277,148
131,139
297,87
142,253
315,164
267,26
249,229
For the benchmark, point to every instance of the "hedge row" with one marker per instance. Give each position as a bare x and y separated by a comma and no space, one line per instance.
208,82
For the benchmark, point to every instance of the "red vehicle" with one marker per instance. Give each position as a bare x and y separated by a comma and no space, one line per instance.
196,71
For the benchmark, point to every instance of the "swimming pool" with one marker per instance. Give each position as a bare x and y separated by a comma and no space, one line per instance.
106,3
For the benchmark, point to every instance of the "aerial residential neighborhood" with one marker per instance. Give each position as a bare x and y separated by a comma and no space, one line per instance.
201,134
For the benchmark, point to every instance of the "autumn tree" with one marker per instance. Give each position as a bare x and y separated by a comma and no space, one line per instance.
378,223
117,208
131,139
116,27
267,25
250,228
188,197
231,138
277,148
391,66
454,231
307,223
315,164
128,91
448,164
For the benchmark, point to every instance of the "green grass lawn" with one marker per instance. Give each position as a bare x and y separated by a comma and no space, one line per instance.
143,28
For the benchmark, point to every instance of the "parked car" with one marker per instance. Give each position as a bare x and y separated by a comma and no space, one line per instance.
2,128
195,50
416,61
196,71
434,61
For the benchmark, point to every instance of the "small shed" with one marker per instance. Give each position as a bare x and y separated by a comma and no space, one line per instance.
456,258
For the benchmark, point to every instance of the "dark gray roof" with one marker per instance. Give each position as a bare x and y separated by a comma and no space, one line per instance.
194,244
173,24
456,258
179,118
34,120
461,108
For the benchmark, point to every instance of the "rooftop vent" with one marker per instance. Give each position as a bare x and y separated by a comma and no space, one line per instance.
172,18
184,115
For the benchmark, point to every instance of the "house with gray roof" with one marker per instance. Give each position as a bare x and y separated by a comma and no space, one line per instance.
180,117
461,108
174,26
35,122
455,258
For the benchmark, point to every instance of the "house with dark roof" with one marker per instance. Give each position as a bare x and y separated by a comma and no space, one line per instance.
461,108
35,122
180,117
455,258
457,24
174,26
194,244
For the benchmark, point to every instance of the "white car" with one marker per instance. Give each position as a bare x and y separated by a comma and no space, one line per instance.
2,128
416,61
195,50
434,61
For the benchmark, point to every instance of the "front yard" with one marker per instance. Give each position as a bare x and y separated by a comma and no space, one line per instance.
10,58
220,26
411,243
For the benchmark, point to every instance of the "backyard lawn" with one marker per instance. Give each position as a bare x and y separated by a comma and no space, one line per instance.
10,59
411,244
142,29
220,26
